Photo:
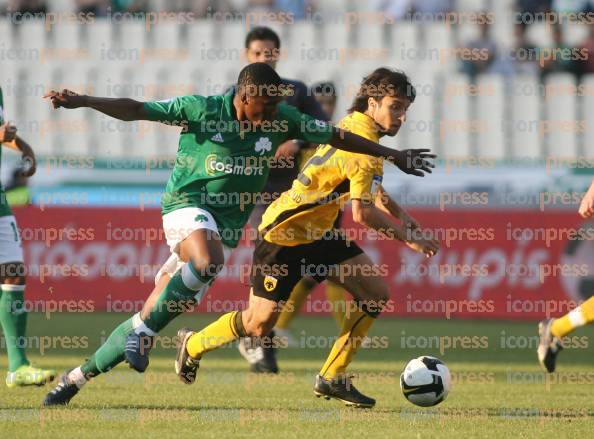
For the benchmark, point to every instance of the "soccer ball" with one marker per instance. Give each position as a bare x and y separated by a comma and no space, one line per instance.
426,381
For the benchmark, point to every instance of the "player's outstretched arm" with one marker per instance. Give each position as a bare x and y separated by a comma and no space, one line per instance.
410,161
120,108
587,204
386,204
368,215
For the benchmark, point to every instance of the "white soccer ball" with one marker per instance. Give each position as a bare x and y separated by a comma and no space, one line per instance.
426,381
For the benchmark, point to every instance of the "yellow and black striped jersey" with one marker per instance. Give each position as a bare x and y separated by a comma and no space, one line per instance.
329,179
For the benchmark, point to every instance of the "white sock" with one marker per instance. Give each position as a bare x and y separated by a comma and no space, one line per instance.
77,377
190,278
140,327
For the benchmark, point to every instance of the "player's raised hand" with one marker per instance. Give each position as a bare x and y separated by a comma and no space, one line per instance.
587,205
65,99
414,161
7,132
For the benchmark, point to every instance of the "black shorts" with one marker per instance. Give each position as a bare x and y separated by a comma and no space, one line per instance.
276,269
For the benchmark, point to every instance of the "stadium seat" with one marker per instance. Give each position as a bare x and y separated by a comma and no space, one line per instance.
74,127
588,116
455,123
523,123
302,43
36,120
65,36
6,34
540,35
420,129
405,45
131,37
490,106
98,38
164,35
438,43
107,80
561,116
31,36
503,24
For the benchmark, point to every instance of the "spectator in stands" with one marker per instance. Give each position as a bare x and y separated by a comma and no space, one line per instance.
129,5
525,54
259,5
572,6
432,9
205,8
325,94
559,57
484,51
28,6
297,8
530,11
587,65
395,9
96,7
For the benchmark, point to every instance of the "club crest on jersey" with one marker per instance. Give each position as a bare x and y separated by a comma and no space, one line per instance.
270,283
263,145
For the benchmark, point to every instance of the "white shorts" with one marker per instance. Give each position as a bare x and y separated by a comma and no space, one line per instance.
11,247
177,226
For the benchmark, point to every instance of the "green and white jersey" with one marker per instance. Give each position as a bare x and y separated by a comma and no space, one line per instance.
219,167
4,207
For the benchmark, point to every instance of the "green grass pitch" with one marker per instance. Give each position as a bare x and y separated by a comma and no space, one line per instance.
498,390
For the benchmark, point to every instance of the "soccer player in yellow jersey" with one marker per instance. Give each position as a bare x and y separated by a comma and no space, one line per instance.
298,239
552,331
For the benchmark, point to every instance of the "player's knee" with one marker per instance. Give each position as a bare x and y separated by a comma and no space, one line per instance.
259,327
209,265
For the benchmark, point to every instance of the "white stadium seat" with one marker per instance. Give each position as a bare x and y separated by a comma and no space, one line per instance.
588,116
561,115
65,36
420,128
405,45
490,105
164,35
455,122
525,116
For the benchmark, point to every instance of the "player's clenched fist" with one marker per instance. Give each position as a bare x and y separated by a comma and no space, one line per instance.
587,204
66,99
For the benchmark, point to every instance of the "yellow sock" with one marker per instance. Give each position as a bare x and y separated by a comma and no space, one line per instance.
575,318
226,329
335,294
294,304
354,328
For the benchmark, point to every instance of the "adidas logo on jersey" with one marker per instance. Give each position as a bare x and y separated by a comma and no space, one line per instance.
218,137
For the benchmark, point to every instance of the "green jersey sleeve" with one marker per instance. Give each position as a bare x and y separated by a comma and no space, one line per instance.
176,110
304,127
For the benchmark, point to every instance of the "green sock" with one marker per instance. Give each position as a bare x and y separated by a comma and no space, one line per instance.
176,297
13,319
110,354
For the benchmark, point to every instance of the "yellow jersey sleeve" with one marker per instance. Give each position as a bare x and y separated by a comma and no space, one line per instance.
365,174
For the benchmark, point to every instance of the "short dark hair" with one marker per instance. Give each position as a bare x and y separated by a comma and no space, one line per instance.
383,82
259,76
260,33
324,88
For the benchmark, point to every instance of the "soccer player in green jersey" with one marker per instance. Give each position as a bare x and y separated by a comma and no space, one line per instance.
13,317
222,164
